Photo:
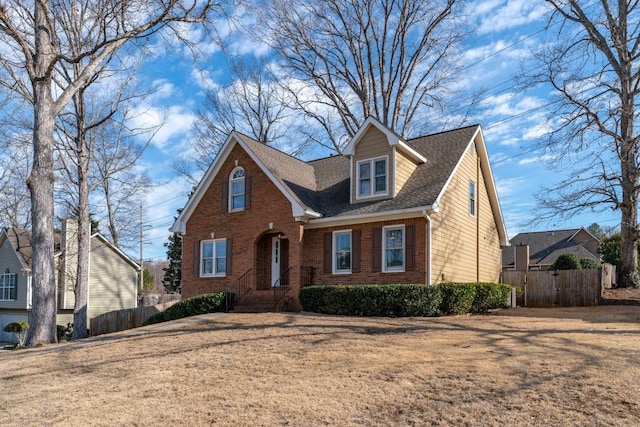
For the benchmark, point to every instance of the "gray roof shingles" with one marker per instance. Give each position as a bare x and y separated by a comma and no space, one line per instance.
546,246
323,185
21,241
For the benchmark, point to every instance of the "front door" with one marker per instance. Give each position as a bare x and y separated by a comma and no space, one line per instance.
275,260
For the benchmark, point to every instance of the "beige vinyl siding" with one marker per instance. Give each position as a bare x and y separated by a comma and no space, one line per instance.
9,259
69,268
112,281
404,168
455,231
373,144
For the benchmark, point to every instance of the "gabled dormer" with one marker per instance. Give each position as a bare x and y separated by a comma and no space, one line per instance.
381,162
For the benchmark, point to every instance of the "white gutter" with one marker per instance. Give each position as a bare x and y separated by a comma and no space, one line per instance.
427,218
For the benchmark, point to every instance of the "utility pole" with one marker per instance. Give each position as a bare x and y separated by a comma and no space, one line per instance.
141,287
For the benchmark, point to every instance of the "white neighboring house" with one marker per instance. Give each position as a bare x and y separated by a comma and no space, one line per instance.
113,276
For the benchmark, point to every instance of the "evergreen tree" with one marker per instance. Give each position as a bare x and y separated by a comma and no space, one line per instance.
172,280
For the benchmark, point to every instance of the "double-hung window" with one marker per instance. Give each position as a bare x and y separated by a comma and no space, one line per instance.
8,286
393,244
342,249
213,258
237,190
372,177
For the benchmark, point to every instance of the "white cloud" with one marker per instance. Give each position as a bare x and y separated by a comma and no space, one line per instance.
545,158
497,16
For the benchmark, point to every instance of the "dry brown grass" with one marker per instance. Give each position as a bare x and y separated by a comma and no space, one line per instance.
515,367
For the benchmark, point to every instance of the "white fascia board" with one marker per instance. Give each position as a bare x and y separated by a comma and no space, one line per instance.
412,153
180,225
24,266
363,219
115,249
485,165
392,138
297,209
481,151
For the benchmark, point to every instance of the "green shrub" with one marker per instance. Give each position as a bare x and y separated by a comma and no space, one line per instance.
19,329
405,300
199,304
490,296
586,263
566,262
372,300
457,298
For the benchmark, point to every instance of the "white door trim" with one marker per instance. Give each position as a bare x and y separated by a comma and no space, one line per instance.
276,255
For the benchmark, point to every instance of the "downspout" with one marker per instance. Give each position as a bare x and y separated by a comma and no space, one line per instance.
427,218
477,217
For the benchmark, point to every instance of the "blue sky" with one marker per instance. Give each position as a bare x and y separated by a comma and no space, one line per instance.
502,35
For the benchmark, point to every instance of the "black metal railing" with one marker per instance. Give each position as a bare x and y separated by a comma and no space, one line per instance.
306,276
242,286
281,288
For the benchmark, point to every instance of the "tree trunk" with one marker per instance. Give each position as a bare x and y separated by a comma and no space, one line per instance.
629,168
84,225
42,318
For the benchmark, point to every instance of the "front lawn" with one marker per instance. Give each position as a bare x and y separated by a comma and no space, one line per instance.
517,367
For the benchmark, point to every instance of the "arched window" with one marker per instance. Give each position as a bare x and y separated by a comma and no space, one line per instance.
237,190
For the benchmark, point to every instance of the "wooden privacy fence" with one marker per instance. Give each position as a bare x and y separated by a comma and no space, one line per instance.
562,288
122,320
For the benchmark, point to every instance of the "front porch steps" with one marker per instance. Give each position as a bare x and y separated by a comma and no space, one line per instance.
255,301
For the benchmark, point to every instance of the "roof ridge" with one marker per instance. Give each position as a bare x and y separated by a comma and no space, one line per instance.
550,231
441,132
269,146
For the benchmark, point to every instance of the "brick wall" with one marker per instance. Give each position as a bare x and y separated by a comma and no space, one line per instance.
245,228
313,256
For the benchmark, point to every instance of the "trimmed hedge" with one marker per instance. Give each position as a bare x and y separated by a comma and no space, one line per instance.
404,300
457,298
199,304
490,296
371,300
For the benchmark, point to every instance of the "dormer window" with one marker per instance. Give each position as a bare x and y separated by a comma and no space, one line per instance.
372,177
237,190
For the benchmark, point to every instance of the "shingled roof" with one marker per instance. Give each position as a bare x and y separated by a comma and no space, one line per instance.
20,240
546,246
320,189
443,150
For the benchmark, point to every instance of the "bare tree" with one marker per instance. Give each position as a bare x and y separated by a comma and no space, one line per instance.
391,59
252,102
95,148
34,46
594,68
15,165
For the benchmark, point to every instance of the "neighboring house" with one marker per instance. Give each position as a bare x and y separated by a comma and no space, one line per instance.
388,210
539,250
112,276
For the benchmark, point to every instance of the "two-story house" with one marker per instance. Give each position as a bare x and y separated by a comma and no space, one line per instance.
113,283
388,210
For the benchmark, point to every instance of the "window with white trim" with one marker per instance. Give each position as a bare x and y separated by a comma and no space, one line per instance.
8,286
213,258
472,198
237,190
342,252
393,252
372,179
